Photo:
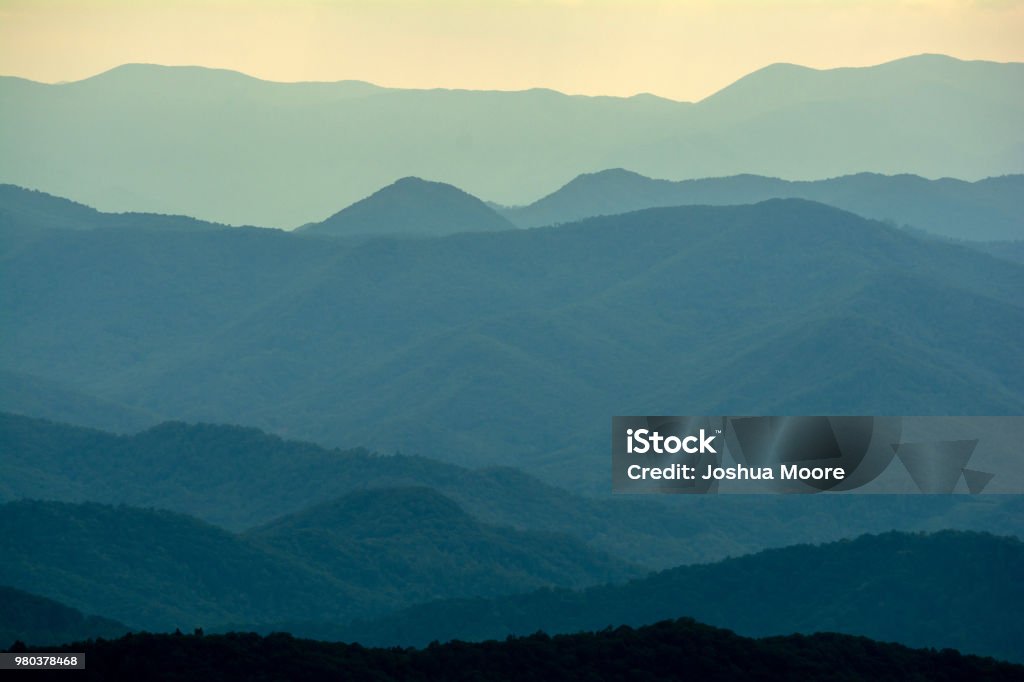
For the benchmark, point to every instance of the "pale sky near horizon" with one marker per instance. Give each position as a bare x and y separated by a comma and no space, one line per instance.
682,49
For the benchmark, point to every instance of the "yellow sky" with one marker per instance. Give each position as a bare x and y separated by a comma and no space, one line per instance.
683,49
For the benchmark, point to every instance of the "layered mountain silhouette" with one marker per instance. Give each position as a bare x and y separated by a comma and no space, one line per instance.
36,620
159,570
24,209
230,476
980,211
412,206
418,320
941,590
233,149
662,651
499,347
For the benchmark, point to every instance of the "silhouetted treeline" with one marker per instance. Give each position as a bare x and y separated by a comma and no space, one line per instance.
670,650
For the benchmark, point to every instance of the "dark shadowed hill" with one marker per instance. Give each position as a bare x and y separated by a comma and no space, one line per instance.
412,206
942,590
222,146
407,544
669,650
515,347
983,210
37,620
156,569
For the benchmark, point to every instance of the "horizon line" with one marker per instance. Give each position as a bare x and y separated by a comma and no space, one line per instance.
100,74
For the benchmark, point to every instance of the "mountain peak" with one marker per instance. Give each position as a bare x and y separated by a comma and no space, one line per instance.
413,206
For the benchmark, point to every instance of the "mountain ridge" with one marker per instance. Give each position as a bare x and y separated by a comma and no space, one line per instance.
244,480
983,210
411,206
34,209
220,152
409,345
653,652
156,569
863,586
899,62
35,620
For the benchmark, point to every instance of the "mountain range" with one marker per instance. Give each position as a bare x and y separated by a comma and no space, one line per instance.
388,426
407,567
500,347
366,554
986,210
243,480
229,148
982,214
934,590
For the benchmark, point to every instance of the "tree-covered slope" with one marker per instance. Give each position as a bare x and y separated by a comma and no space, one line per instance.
508,347
239,478
940,590
156,569
407,544
31,619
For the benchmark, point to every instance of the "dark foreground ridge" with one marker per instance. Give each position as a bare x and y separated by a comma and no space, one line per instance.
945,590
670,650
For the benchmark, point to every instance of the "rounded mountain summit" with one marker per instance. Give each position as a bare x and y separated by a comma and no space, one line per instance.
412,206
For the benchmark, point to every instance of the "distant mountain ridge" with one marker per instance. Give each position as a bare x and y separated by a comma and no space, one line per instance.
986,210
221,146
22,208
979,212
412,206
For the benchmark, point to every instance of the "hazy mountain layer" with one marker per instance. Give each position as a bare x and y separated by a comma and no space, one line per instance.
229,148
22,208
29,395
984,210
